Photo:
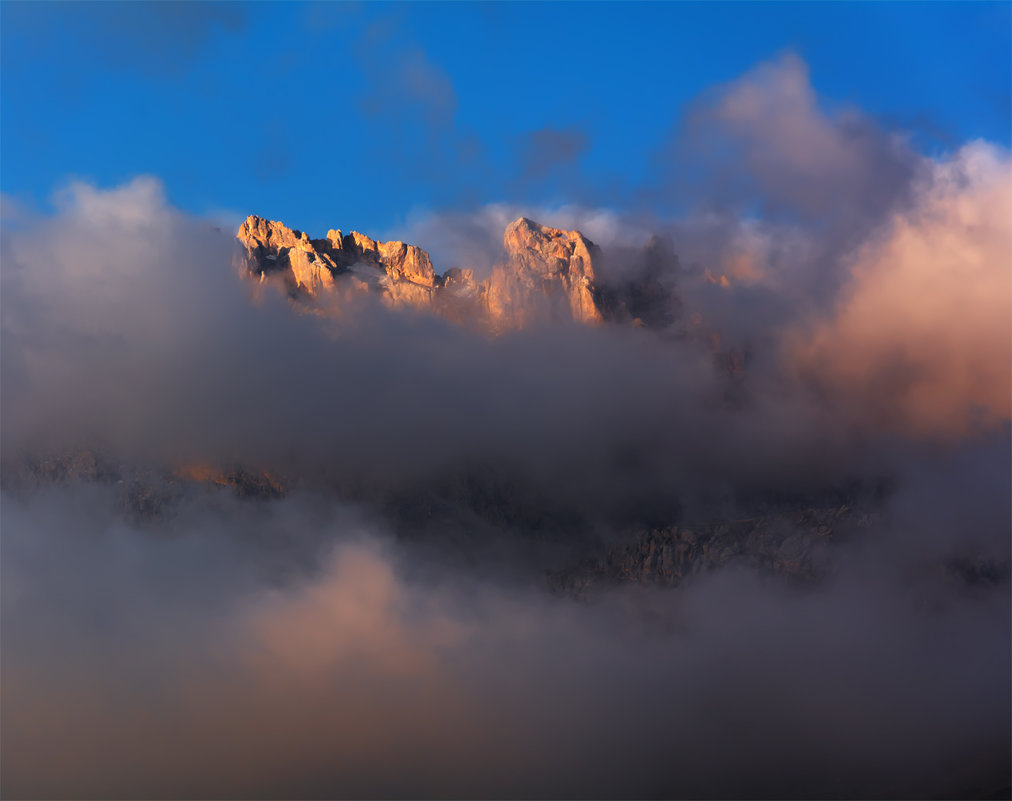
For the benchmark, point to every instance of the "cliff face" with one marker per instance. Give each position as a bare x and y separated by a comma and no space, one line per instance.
312,266
546,272
543,263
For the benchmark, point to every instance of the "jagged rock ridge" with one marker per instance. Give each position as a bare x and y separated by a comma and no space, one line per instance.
783,539
312,266
546,272
555,263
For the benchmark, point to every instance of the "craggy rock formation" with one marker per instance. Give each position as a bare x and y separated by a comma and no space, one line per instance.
544,263
245,483
786,541
144,493
792,540
313,266
546,273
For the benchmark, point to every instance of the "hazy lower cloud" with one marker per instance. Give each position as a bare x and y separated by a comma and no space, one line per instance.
376,672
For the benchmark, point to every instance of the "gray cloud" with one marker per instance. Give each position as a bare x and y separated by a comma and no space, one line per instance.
381,632
307,647
413,88
159,38
201,667
549,149
773,136
765,146
125,327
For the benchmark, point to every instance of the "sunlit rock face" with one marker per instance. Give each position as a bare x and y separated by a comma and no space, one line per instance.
543,275
546,273
403,273
545,261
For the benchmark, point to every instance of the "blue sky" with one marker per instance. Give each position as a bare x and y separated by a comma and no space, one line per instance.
353,116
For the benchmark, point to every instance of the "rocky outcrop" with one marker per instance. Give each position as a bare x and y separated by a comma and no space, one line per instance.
143,492
403,273
245,483
545,273
788,541
547,263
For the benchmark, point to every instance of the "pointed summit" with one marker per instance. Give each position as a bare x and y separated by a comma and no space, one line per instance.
567,256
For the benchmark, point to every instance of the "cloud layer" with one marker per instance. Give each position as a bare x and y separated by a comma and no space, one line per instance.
383,632
201,661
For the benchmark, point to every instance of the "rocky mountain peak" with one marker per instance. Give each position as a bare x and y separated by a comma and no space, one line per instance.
552,253
548,250
310,266
547,271
268,233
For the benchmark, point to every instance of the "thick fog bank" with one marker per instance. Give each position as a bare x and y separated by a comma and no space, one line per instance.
293,648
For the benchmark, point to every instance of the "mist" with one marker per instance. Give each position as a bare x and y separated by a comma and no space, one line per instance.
827,324
236,655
